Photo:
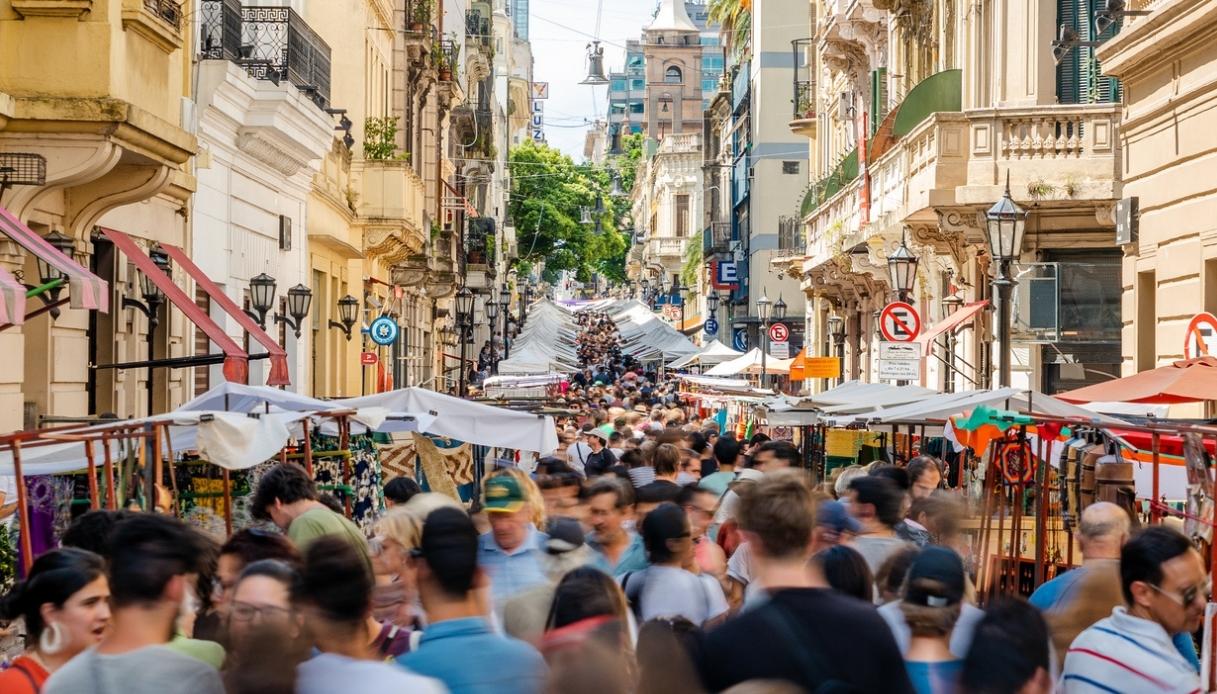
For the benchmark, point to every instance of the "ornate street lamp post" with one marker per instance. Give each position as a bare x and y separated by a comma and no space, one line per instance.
902,270
1007,223
464,320
762,312
348,313
151,307
836,330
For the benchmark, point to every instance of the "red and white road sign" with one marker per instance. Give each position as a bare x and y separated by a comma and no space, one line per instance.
899,322
368,358
1200,340
778,332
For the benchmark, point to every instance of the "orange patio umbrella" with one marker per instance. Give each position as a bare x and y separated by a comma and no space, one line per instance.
1189,380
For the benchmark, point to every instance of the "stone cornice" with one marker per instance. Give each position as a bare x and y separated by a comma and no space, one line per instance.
130,126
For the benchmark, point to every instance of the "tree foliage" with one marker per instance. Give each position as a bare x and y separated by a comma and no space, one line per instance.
549,192
735,18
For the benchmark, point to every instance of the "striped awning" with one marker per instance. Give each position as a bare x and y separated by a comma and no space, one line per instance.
279,374
236,360
85,290
12,299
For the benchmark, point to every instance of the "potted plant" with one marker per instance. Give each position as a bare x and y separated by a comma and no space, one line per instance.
420,15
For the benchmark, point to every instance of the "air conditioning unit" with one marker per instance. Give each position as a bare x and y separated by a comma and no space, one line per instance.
845,106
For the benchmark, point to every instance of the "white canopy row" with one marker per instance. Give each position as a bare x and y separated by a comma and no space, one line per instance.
713,353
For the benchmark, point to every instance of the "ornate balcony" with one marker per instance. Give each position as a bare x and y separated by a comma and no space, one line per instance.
278,45
220,27
390,209
716,239
803,121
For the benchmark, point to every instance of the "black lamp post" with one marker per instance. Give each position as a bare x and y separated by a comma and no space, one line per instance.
299,301
902,270
762,311
261,297
951,304
1007,222
504,301
492,313
836,330
348,314
48,273
464,320
150,307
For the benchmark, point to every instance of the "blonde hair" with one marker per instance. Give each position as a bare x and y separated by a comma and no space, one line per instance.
532,493
404,524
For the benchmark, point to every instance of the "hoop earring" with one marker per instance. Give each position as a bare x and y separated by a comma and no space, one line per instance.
51,645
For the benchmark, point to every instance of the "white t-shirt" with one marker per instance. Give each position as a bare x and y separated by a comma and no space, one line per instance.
671,592
576,454
328,673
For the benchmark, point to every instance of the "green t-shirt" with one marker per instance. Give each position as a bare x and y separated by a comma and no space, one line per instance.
320,521
209,652
717,482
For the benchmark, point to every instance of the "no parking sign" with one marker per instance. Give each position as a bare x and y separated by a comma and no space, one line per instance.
899,322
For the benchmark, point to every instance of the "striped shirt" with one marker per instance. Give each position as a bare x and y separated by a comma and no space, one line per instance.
1123,653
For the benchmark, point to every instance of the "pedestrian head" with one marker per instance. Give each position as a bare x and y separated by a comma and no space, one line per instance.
666,460
889,579
846,571
242,549
399,490
933,591
777,514
279,490
446,558
1009,652
699,504
91,531
667,536
514,505
64,602
1164,579
586,593
774,455
834,525
876,502
1103,530
726,451
334,593
262,601
925,476
898,475
610,503
153,560
668,649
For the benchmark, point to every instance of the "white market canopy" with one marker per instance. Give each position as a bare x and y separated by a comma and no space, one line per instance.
750,364
714,353
939,407
545,343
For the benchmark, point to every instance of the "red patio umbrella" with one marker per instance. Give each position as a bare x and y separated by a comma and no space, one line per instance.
1189,380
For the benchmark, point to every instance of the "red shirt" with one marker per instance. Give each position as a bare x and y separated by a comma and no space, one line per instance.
24,676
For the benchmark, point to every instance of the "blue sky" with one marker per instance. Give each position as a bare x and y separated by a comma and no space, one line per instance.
560,31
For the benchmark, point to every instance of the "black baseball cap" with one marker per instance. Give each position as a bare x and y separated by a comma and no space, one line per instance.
944,568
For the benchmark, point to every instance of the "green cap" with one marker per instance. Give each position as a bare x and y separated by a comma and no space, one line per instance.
504,495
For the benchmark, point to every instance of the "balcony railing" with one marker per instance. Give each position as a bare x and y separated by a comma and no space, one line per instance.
790,236
478,29
804,78
277,44
716,239
220,23
168,10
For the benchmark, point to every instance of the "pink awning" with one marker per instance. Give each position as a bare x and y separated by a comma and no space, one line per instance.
85,290
279,374
236,361
12,299
962,315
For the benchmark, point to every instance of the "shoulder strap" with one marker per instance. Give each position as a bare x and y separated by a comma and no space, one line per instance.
20,667
809,659
634,597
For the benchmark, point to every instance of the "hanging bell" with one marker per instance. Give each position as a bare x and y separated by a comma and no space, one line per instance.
595,65
585,216
617,192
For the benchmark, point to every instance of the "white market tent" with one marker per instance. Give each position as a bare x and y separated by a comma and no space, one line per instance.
938,407
545,344
647,337
750,363
714,353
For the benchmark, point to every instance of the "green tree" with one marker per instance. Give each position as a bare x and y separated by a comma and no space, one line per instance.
549,193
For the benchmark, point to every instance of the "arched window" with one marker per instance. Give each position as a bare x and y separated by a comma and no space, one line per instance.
673,75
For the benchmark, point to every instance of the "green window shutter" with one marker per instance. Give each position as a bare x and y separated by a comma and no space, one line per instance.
1069,72
1104,89
878,98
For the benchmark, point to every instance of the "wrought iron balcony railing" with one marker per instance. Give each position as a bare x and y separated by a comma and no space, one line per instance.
277,44
716,239
478,29
220,29
168,10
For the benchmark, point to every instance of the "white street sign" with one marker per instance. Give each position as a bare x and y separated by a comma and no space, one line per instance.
899,361
779,350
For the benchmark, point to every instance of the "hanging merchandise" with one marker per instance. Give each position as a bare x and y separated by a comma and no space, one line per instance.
365,484
1198,522
1016,462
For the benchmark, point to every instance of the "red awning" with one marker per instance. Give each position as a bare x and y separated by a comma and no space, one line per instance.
236,361
962,315
85,290
279,374
1190,380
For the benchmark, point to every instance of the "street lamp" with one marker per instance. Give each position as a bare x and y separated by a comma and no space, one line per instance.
836,330
348,313
762,311
261,297
712,301
299,301
464,320
48,273
150,307
779,309
1006,224
504,300
902,270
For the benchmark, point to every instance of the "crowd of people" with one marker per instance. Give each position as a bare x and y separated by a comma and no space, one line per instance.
653,552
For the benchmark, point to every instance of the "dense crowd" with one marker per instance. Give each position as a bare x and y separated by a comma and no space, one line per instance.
652,552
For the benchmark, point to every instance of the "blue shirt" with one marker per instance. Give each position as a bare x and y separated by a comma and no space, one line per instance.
1053,594
469,658
514,571
634,558
935,678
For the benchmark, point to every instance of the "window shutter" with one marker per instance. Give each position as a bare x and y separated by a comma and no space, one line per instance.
1069,71
878,94
1105,89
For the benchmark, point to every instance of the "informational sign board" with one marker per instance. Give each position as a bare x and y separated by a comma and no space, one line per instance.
1201,337
779,350
711,326
822,367
899,322
383,331
899,361
540,90
739,340
779,333
726,274
368,358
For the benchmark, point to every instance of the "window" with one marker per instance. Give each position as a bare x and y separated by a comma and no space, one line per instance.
618,85
709,85
682,216
790,167
635,107
638,84
617,108
1079,77
673,75
712,62
710,41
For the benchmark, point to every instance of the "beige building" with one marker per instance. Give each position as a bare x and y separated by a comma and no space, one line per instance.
914,127
1166,60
